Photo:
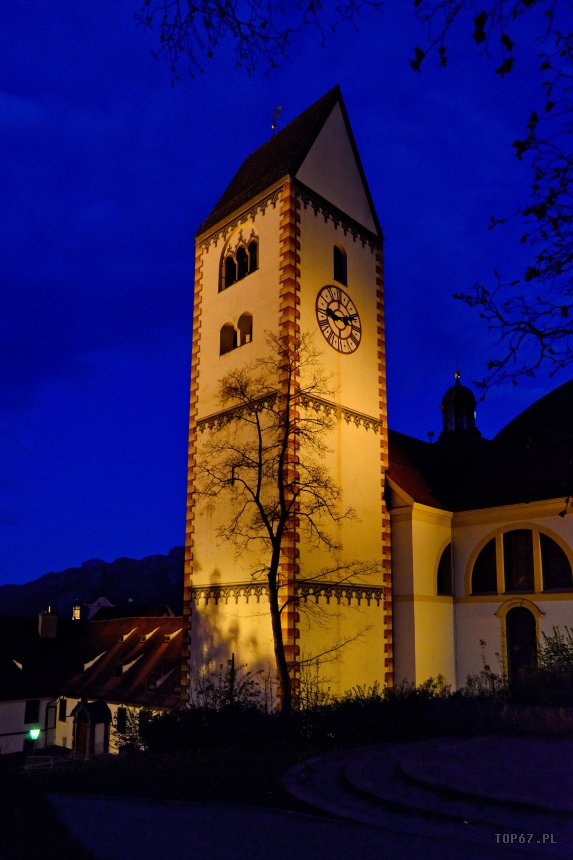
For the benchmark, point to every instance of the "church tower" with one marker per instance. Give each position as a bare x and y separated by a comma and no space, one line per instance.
294,247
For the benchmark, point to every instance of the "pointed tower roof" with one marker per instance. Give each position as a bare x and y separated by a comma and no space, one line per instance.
282,155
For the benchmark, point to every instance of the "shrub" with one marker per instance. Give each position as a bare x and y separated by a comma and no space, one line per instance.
486,684
556,651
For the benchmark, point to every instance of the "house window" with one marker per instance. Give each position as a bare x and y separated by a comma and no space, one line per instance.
554,564
445,584
32,711
518,560
339,265
63,710
484,577
239,263
121,720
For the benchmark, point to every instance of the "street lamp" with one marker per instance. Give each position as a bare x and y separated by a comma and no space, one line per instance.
34,734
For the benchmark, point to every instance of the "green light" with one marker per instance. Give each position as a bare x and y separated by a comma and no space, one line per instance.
34,734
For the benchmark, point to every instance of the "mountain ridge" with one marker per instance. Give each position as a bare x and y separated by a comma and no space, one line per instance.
153,579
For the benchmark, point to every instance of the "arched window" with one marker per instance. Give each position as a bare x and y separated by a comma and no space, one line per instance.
521,638
227,339
242,263
339,265
484,578
253,256
554,564
445,583
518,560
239,261
520,549
230,273
245,327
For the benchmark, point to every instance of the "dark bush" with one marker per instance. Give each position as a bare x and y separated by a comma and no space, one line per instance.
205,728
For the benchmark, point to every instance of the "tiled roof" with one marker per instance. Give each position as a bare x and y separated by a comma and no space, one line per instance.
531,459
129,660
282,155
124,660
412,466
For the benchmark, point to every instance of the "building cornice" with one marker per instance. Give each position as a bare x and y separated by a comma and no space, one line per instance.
227,226
337,410
319,404
307,197
509,513
305,590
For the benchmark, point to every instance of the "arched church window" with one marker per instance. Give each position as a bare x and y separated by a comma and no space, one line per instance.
340,265
242,263
484,577
253,256
239,262
230,272
554,564
227,339
518,560
521,639
445,579
245,327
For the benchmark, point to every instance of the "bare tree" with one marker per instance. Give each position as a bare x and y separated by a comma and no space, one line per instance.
531,315
267,462
259,31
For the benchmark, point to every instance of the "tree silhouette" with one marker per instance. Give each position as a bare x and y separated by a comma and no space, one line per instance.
531,315
266,464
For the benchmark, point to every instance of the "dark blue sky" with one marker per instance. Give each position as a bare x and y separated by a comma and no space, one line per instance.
106,172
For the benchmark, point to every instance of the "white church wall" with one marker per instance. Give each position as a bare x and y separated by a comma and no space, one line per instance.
256,293
476,619
330,169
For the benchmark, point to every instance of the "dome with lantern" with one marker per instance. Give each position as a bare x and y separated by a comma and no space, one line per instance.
458,409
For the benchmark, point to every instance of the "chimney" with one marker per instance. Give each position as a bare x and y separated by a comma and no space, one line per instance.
48,624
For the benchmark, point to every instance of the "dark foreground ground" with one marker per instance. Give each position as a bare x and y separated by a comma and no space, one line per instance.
442,798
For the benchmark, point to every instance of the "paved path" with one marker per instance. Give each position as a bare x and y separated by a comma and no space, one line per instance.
445,798
482,793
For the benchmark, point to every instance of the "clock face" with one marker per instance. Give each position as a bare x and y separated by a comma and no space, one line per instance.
338,319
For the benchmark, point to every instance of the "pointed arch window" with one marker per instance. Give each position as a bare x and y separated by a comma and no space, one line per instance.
239,262
230,271
340,269
242,263
253,256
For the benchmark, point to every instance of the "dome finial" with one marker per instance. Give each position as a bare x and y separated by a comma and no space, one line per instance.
458,411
